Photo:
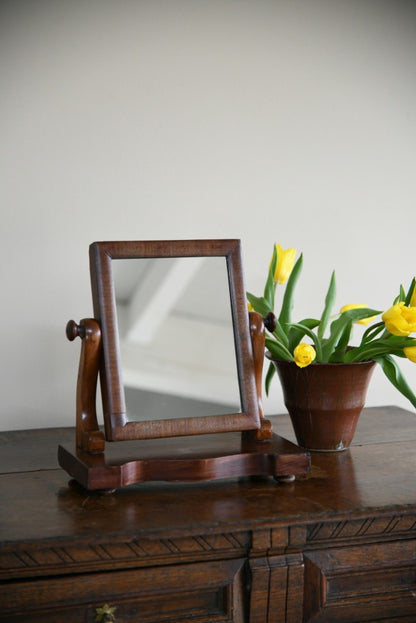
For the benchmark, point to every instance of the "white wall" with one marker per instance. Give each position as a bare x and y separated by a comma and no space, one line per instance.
289,121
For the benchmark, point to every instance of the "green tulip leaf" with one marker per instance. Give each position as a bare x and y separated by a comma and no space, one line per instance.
341,328
281,334
329,303
341,347
287,303
295,334
391,344
278,350
269,288
269,376
370,333
395,376
259,304
410,292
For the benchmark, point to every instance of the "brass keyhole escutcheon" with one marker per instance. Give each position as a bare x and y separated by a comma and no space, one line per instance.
105,614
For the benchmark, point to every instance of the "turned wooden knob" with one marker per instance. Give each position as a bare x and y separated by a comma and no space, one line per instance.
74,330
270,322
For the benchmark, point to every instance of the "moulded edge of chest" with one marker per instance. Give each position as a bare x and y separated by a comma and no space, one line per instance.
36,559
366,529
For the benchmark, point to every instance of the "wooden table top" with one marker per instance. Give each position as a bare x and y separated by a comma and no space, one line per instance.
38,501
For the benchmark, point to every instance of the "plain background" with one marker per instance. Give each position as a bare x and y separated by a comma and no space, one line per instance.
270,121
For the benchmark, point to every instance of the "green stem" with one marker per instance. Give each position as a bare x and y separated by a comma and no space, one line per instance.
313,337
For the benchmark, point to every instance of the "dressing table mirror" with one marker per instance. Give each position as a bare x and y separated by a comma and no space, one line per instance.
179,360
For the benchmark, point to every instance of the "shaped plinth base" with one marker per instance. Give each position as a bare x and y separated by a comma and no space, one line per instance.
186,459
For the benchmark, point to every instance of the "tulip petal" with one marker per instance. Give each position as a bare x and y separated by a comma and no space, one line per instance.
284,265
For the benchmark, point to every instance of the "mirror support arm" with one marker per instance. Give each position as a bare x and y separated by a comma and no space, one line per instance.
88,436
257,334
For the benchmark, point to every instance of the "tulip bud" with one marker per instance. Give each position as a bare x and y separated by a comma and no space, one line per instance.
284,264
304,354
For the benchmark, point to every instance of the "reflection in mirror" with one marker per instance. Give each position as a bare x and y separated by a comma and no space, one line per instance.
176,337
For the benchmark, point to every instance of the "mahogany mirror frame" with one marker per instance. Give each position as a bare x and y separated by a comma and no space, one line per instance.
117,425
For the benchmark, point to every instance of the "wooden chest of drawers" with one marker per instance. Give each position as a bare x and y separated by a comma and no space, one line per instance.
337,545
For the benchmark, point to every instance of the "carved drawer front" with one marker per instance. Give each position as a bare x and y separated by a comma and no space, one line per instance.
362,583
203,592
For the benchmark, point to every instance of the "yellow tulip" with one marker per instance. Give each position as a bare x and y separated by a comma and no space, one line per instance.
410,352
400,320
304,354
364,321
284,264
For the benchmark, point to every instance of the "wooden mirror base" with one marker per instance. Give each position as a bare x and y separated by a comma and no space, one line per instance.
185,459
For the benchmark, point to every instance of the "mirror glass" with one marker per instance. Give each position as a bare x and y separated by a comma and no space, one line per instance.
176,337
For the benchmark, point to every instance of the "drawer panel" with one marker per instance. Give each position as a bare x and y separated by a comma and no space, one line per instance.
358,584
202,592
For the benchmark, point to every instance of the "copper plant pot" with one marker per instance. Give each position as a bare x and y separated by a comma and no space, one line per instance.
324,401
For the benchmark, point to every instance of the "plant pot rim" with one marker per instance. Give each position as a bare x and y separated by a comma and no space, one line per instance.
319,363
